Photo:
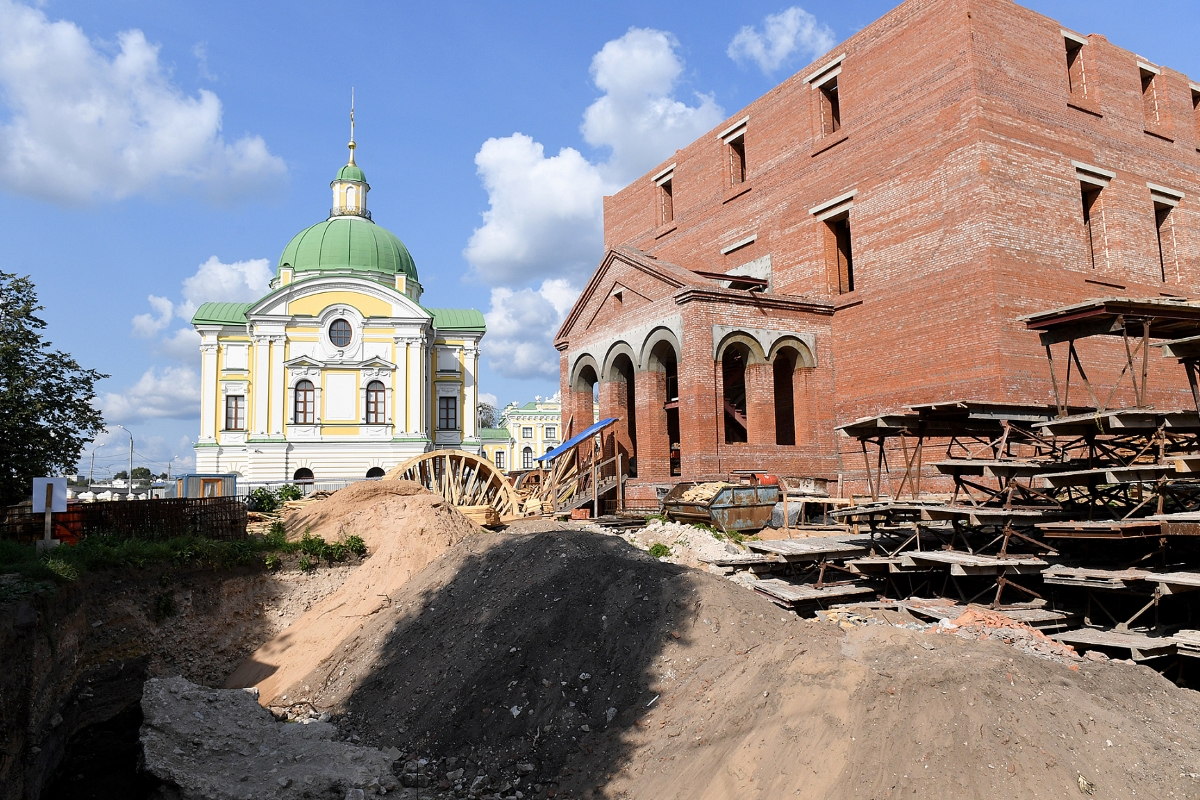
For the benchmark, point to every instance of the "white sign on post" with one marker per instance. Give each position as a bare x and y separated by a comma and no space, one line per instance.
58,500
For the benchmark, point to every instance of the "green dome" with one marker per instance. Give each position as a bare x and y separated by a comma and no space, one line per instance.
351,244
351,172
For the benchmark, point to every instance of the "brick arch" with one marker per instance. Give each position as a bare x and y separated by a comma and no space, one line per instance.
804,357
648,361
754,348
617,349
582,362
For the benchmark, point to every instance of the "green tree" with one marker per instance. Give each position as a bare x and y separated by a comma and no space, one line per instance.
46,410
120,476
142,474
487,415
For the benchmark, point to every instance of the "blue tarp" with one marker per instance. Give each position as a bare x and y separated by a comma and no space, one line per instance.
576,439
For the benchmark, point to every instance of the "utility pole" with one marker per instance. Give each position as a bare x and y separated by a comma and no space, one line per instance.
129,492
92,466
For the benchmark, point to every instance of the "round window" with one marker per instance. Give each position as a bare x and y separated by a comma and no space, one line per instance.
339,333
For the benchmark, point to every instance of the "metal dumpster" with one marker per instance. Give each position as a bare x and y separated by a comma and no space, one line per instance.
731,507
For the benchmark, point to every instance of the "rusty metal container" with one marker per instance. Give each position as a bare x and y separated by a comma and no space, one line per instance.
731,507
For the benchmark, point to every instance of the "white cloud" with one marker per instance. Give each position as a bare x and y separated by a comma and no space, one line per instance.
638,116
521,325
488,398
545,218
241,281
791,31
172,393
545,212
82,125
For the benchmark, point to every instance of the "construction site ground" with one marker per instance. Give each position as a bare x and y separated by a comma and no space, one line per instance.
561,660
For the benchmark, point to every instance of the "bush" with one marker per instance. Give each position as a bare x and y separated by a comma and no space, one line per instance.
264,499
290,491
306,565
314,546
356,545
659,550
272,561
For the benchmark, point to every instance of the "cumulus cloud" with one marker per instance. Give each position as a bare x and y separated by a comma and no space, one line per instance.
783,35
170,393
521,326
488,398
638,117
545,212
545,216
241,281
544,225
82,125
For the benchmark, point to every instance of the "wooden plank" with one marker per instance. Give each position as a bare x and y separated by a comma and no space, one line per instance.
963,564
813,549
1108,529
1175,582
740,560
1145,473
1114,579
1187,643
984,515
872,565
1140,646
796,593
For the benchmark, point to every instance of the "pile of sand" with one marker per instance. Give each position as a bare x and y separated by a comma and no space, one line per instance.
404,526
568,662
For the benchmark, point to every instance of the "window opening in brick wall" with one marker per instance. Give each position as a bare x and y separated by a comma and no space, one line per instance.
733,378
1150,105
235,412
831,107
305,404
737,160
1196,116
376,403
840,253
1091,222
783,369
447,413
1164,231
666,201
1076,75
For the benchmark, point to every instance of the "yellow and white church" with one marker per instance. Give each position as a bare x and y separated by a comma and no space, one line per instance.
339,371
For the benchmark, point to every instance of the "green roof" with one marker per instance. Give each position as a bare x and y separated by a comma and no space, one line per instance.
457,319
351,172
495,433
350,244
221,314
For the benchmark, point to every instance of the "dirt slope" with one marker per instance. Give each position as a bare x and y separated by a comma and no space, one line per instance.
607,673
404,526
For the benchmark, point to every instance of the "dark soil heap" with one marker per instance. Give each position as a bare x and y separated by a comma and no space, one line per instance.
564,663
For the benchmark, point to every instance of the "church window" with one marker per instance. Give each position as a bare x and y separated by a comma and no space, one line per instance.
339,333
376,403
374,473
447,413
551,432
306,405
527,458
527,433
499,459
303,474
235,412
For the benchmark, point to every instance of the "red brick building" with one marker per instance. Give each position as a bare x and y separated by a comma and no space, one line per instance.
877,223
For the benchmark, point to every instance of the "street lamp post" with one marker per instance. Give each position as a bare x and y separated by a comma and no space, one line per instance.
129,492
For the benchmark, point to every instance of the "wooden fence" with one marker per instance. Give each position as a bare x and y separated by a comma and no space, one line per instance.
210,517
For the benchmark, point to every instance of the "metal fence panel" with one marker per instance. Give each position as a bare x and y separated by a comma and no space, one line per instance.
211,517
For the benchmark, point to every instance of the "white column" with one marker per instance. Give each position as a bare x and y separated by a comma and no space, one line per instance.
262,385
470,389
400,388
208,392
278,385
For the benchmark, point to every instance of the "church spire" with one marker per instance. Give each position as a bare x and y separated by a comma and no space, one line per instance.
352,145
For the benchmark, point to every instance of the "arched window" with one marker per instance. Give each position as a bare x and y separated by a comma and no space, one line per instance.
527,458
349,197
303,474
375,472
376,403
784,369
340,333
306,403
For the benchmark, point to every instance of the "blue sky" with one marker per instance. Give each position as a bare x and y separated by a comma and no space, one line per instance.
167,149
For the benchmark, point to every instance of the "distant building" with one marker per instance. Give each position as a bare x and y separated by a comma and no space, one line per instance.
339,371
525,432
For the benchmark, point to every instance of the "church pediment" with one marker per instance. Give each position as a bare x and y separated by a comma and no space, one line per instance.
625,279
311,296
